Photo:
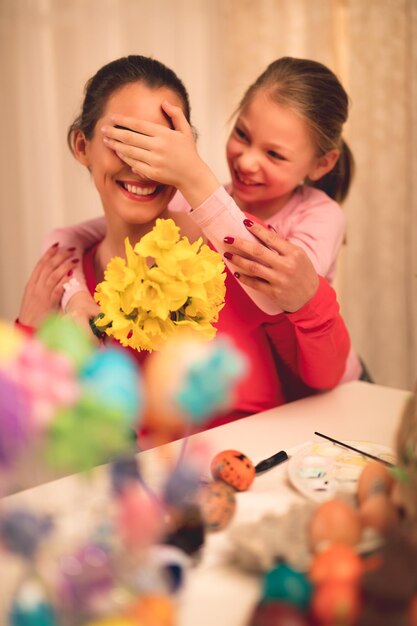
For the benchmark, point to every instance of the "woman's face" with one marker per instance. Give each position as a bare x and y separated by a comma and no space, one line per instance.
128,197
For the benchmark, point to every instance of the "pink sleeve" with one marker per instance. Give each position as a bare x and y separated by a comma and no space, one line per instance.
316,224
218,217
80,236
314,342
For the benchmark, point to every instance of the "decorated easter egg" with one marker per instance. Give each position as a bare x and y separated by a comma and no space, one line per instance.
287,584
12,341
113,621
218,503
153,610
336,602
334,521
61,334
199,380
374,478
14,422
21,531
112,378
172,563
86,579
185,528
140,517
275,613
412,613
31,607
234,468
336,562
378,512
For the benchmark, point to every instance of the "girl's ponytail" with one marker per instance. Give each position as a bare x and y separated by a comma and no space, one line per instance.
336,183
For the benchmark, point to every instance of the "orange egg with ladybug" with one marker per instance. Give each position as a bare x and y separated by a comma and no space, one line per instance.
234,468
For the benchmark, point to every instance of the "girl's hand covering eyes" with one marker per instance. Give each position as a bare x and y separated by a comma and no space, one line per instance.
45,287
159,152
275,267
165,154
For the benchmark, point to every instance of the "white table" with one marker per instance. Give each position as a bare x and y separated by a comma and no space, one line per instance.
216,593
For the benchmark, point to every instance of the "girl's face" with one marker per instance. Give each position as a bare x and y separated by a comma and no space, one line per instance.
269,152
127,197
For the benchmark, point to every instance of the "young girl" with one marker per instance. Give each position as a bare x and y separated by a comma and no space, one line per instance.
289,168
308,343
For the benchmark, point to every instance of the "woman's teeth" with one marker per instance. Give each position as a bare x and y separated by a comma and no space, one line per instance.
140,191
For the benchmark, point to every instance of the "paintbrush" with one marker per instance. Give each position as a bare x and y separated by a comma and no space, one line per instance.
345,445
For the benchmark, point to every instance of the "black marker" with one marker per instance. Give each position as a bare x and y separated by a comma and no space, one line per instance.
273,460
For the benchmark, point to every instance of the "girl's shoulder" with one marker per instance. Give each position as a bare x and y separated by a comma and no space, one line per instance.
311,203
311,196
310,210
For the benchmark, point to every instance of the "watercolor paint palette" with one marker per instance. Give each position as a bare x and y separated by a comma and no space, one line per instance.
320,469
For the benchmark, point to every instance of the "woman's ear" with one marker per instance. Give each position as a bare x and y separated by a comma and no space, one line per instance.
324,164
80,148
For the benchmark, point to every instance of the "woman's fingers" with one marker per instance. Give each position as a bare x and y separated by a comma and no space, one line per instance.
45,287
269,237
273,266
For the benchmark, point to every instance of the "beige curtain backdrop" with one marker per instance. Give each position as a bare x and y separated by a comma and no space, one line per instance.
49,48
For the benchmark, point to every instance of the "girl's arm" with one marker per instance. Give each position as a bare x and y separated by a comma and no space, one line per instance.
78,238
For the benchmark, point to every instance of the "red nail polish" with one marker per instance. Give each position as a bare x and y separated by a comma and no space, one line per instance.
228,239
228,256
71,249
70,273
248,223
55,245
75,260
236,275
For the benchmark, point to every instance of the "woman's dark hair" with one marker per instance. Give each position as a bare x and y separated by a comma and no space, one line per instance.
117,74
316,93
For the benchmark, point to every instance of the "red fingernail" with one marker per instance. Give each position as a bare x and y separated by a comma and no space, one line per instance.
55,245
228,256
70,273
237,275
71,249
248,223
75,260
228,239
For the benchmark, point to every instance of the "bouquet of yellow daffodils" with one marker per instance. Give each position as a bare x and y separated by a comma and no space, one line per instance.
183,287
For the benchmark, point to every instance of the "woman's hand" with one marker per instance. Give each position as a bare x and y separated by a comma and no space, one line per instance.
273,266
165,154
45,287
